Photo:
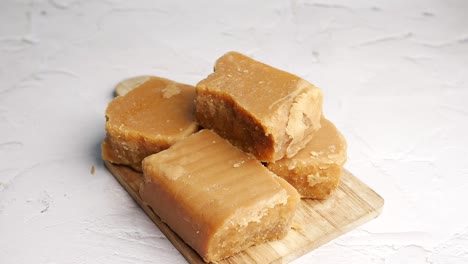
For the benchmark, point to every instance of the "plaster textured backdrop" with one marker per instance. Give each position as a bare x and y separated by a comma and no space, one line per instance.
394,75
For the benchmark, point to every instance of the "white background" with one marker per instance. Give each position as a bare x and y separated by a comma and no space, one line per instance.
394,76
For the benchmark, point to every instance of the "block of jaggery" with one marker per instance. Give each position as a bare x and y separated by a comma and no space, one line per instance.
265,111
148,119
315,170
217,198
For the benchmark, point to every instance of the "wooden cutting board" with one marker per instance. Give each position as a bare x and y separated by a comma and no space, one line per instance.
315,222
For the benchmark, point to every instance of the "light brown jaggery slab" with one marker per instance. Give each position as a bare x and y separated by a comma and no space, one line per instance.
265,111
218,199
148,119
315,170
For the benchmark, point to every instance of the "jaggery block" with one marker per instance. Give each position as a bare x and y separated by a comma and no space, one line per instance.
315,170
265,111
148,119
217,198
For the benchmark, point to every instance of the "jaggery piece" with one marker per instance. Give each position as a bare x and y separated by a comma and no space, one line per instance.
218,199
265,111
315,170
148,119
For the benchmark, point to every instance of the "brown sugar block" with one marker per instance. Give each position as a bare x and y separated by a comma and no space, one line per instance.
218,199
148,119
265,111
315,170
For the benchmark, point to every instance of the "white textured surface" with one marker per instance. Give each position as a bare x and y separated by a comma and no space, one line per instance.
394,75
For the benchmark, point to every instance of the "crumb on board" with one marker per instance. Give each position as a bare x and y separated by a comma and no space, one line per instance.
297,226
93,170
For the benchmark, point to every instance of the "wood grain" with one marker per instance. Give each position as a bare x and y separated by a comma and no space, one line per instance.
315,223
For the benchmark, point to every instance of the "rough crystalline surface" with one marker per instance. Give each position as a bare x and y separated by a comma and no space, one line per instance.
218,199
148,119
265,111
315,170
